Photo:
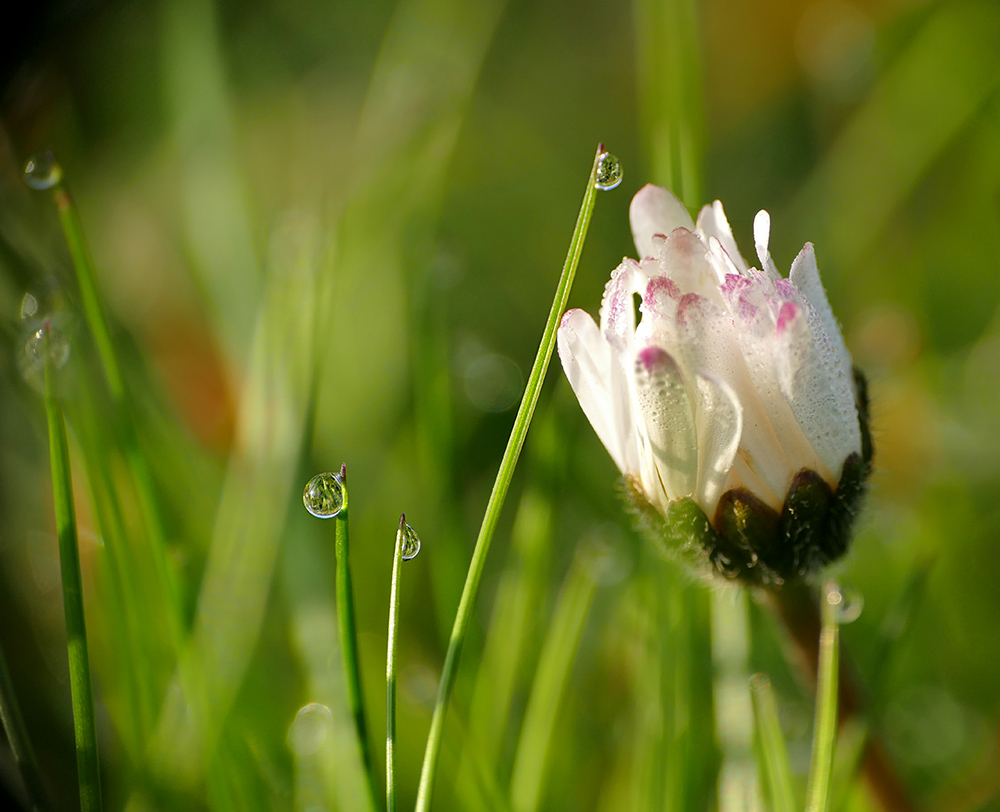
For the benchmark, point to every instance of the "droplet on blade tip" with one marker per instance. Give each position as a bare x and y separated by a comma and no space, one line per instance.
42,171
410,541
324,495
609,172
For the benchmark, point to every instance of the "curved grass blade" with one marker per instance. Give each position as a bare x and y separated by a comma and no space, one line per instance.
504,475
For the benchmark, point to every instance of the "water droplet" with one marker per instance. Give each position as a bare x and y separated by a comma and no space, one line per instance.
410,542
29,306
42,171
47,338
848,603
609,172
324,495
310,728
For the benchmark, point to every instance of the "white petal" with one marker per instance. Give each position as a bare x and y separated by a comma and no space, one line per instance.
617,307
655,211
708,337
749,302
599,384
805,276
684,259
818,388
712,222
761,237
666,409
719,423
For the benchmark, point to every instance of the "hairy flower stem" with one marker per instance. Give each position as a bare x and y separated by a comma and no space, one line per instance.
797,605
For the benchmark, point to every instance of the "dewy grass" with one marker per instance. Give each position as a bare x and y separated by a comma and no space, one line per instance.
348,633
466,604
825,730
390,672
84,728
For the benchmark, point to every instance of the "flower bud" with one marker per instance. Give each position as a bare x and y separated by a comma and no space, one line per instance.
731,407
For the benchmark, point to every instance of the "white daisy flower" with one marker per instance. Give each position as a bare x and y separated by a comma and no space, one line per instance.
734,392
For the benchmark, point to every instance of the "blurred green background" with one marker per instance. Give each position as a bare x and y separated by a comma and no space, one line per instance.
330,232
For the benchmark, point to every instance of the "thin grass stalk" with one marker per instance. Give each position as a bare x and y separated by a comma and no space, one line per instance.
84,727
529,400
776,771
825,730
348,633
549,686
390,672
670,93
19,741
97,322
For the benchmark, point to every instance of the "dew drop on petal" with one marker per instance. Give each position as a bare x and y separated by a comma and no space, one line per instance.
56,343
29,306
310,729
42,171
324,495
609,172
410,543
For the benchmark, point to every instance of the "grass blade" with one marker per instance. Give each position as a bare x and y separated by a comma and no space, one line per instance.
492,515
549,686
85,732
390,672
17,737
775,770
825,731
348,633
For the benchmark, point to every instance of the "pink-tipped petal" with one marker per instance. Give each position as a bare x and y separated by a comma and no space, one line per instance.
654,210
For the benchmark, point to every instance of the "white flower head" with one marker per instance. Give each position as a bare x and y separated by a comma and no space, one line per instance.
734,391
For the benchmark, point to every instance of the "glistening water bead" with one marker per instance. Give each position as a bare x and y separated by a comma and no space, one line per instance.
56,343
324,496
410,543
42,171
609,172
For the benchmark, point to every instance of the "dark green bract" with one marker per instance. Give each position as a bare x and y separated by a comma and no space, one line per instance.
750,541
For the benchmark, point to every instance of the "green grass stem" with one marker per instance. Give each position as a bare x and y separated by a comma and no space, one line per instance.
348,633
97,322
390,672
670,93
551,679
514,444
84,728
825,730
776,772
19,741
